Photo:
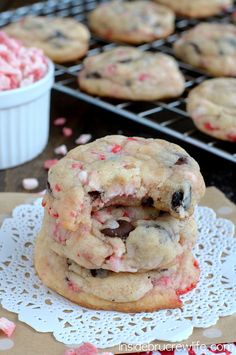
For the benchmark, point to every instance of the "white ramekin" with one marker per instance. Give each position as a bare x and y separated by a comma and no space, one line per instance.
24,121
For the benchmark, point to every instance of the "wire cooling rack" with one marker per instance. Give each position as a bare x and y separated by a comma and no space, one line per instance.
169,116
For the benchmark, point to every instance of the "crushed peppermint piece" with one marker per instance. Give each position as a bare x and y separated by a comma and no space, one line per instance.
102,157
30,183
6,326
83,138
19,66
57,188
83,176
60,121
49,163
85,349
117,148
77,165
61,149
67,132
144,76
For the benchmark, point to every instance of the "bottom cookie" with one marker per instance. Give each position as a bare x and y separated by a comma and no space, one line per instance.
125,292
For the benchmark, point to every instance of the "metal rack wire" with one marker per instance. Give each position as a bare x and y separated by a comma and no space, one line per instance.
169,116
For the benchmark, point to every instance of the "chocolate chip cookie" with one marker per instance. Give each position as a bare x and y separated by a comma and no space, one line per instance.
212,107
126,292
61,39
210,47
131,21
197,8
129,73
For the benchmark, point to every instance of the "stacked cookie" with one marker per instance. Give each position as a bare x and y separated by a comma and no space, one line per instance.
118,228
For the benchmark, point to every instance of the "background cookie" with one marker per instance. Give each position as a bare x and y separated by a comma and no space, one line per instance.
209,46
132,21
129,73
212,106
61,39
197,8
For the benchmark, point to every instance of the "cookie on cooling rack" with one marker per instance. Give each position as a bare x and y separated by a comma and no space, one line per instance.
212,107
209,46
132,21
61,39
197,8
102,289
129,73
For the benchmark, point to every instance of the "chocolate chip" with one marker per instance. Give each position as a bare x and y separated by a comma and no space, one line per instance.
195,47
94,195
121,232
125,61
181,199
182,160
57,35
177,199
128,82
93,75
49,190
99,273
147,202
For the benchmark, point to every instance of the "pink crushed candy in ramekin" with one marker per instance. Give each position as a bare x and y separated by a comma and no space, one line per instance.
19,66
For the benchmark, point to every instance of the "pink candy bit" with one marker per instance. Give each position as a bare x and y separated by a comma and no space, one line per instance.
59,121
232,137
67,132
73,214
30,183
85,349
132,139
116,148
101,156
83,138
77,166
61,149
144,76
49,163
73,287
209,127
7,326
111,69
57,188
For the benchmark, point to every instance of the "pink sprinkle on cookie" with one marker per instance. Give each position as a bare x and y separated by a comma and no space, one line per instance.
67,132
57,188
231,137
61,149
83,138
49,163
117,148
102,157
6,326
30,183
209,127
77,166
60,121
144,76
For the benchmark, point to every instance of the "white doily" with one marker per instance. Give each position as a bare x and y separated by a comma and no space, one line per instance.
23,293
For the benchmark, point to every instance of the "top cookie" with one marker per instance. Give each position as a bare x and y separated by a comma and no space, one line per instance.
132,22
117,170
61,39
209,46
197,8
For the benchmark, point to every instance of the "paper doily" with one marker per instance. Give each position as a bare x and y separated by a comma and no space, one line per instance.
22,292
